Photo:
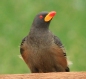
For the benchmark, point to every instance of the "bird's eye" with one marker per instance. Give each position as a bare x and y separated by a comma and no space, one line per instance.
40,16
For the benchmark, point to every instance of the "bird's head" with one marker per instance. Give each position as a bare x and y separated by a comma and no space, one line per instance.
43,19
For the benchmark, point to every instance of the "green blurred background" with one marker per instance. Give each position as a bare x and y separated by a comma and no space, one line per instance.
69,25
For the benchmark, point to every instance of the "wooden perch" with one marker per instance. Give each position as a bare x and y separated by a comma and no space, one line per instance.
59,75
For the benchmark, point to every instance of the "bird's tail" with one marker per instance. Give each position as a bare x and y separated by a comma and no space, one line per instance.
69,62
20,57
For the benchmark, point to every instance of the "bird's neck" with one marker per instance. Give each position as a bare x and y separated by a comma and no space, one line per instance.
39,30
40,36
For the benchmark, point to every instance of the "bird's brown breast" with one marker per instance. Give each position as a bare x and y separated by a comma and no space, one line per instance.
43,58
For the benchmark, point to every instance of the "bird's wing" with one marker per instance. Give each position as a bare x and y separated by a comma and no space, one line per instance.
58,42
60,45
24,50
23,46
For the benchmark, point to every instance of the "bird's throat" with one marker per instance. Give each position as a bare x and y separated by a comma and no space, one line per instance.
40,38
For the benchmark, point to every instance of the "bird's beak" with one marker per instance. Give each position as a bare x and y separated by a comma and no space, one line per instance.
49,16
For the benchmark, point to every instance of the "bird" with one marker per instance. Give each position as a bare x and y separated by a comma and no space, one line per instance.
41,50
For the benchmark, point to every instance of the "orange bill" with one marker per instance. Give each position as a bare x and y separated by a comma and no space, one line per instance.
49,16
